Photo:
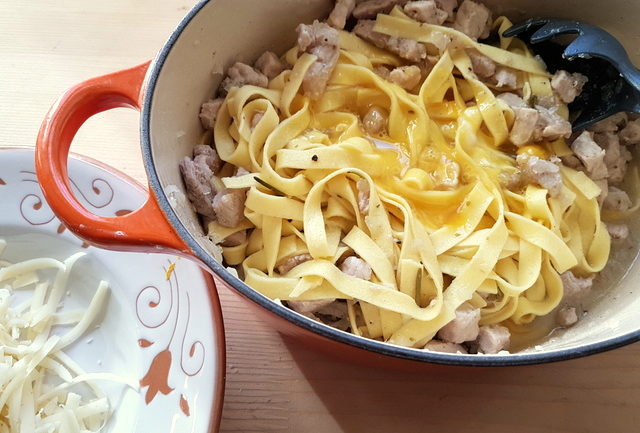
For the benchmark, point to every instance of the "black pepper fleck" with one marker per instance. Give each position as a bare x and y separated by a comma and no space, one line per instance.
314,158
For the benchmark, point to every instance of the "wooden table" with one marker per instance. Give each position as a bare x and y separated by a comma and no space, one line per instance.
272,386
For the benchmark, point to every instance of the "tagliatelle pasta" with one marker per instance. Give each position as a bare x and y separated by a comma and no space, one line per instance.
440,229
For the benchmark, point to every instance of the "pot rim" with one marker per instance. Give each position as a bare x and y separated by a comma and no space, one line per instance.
326,331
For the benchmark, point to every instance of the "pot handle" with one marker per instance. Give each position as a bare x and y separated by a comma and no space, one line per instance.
144,229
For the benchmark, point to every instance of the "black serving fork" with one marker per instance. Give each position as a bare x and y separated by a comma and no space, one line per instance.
614,82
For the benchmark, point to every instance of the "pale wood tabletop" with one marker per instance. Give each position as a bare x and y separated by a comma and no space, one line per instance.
272,384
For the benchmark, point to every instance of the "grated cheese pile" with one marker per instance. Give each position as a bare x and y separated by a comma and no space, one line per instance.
35,373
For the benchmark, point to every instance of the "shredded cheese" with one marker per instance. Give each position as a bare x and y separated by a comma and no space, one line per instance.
35,374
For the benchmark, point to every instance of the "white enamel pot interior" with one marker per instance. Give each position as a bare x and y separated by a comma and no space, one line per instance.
215,34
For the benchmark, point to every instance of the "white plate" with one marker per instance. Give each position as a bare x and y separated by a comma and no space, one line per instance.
167,334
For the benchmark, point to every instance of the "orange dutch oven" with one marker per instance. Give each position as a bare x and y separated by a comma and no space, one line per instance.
169,91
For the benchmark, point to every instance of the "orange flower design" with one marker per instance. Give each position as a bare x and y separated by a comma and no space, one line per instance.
157,376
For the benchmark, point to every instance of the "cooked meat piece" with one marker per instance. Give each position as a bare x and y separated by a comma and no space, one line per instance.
291,262
575,288
524,125
441,346
426,11
591,155
375,121
304,307
513,100
407,77
493,338
572,161
550,125
630,134
617,199
328,311
363,196
548,101
371,8
618,231
229,206
241,74
209,112
473,19
323,42
505,78
568,86
356,267
567,316
256,119
464,327
235,239
604,190
610,124
448,6
540,171
382,71
340,13
615,156
269,65
405,48
482,65
208,155
200,192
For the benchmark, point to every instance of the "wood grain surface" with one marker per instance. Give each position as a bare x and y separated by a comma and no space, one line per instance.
272,384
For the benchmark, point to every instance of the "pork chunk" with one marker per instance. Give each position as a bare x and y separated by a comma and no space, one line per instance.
591,155
229,206
323,42
340,13
407,77
405,48
524,125
493,338
615,156
603,184
364,193
575,288
618,231
610,124
505,78
616,199
356,267
482,65
304,307
256,119
568,86
426,11
441,346
473,19
200,192
235,239
448,6
270,65
291,262
371,8
550,125
513,100
375,121
464,327
541,172
208,155
241,74
630,134
209,112
567,316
